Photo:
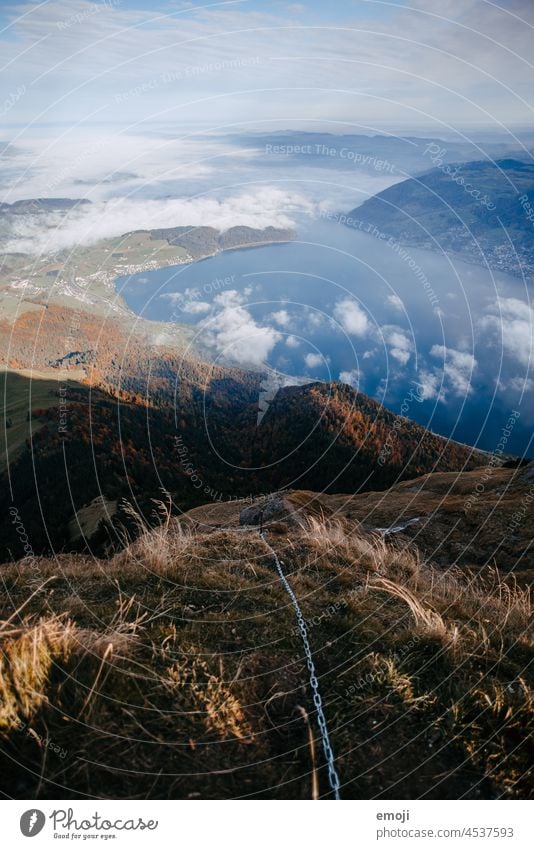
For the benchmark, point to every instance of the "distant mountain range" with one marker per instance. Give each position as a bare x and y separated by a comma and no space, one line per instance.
483,211
41,205
378,153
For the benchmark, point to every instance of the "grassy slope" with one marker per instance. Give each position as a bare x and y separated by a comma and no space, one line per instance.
175,670
22,392
476,518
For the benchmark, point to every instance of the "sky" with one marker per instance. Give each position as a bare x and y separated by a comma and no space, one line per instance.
359,63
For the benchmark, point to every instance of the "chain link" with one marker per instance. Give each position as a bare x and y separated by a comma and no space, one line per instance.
333,777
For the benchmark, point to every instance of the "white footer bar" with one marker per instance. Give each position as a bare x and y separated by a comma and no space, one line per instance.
269,825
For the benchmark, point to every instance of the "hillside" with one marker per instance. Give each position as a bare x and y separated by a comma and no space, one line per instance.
475,519
163,421
175,669
480,210
330,437
200,242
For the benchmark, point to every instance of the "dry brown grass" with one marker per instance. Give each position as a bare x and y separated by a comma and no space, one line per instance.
175,669
211,697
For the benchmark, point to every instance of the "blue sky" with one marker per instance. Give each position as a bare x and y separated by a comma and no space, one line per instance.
363,62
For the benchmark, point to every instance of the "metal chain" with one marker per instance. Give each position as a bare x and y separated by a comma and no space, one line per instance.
333,777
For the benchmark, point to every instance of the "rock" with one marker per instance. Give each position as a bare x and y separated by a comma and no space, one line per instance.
273,507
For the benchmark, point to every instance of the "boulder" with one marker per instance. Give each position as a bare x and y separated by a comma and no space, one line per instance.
273,507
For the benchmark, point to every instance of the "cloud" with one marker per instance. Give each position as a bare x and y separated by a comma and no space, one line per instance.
292,342
353,378
196,307
519,383
187,301
396,302
282,318
315,319
351,317
314,360
400,355
509,322
454,377
458,367
461,61
429,385
234,334
400,345
90,223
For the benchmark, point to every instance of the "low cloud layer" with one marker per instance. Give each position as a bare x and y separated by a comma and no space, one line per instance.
88,224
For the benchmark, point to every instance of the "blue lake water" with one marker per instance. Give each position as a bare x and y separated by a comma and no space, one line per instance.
339,304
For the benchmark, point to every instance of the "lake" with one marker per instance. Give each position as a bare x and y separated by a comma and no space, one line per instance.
440,338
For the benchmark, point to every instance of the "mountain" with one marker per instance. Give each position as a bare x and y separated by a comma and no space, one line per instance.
151,626
330,437
483,211
35,206
398,156
180,657
120,420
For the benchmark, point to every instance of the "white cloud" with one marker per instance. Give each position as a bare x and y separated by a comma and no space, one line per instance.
61,51
281,317
351,317
315,319
196,307
353,377
400,355
429,385
187,301
235,335
519,383
396,302
400,345
454,376
89,223
458,367
292,342
314,360
510,322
